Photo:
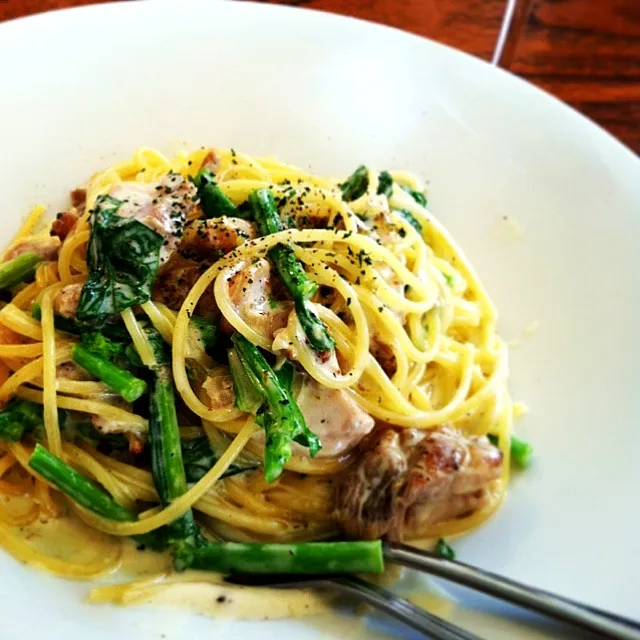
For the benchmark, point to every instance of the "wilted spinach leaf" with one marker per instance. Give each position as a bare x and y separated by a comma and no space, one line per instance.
123,259
198,458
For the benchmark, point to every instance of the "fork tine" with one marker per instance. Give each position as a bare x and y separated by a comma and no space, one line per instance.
381,599
401,609
604,624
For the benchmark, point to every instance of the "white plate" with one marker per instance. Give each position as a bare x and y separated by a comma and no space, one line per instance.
82,88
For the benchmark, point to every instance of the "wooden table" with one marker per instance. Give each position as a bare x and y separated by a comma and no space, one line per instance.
586,52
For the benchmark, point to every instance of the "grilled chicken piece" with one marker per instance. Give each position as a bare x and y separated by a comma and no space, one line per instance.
63,224
109,425
250,291
334,417
47,247
408,480
162,206
214,237
65,303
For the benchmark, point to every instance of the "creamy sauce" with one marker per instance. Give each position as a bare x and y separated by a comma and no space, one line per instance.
145,577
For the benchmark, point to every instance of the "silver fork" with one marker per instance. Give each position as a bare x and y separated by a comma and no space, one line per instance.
381,599
602,623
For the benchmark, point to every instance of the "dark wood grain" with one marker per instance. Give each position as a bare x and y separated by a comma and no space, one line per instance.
613,104
586,52
470,25
589,38
10,9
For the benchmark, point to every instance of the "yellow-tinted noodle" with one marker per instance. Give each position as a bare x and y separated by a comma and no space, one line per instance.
414,293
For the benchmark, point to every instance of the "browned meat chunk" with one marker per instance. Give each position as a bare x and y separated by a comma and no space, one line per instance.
211,161
175,279
383,353
66,301
408,480
46,247
214,237
63,224
162,206
78,198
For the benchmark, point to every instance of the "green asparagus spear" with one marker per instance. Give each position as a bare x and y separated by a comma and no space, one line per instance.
18,270
213,200
87,494
167,467
79,488
120,380
283,421
444,550
298,285
248,398
19,417
301,558
521,451
356,184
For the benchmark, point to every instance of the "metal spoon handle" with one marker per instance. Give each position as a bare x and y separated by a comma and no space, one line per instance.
400,609
557,607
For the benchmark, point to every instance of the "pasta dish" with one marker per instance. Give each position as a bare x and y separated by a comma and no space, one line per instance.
248,368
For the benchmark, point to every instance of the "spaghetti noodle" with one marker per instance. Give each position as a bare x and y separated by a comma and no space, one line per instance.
413,356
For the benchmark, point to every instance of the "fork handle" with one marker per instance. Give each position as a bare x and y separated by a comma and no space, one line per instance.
590,618
399,608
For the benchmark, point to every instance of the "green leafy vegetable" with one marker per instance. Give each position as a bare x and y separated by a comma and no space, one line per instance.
213,201
122,258
408,216
199,458
444,550
206,331
103,346
356,185
282,419
418,196
20,269
385,184
20,417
